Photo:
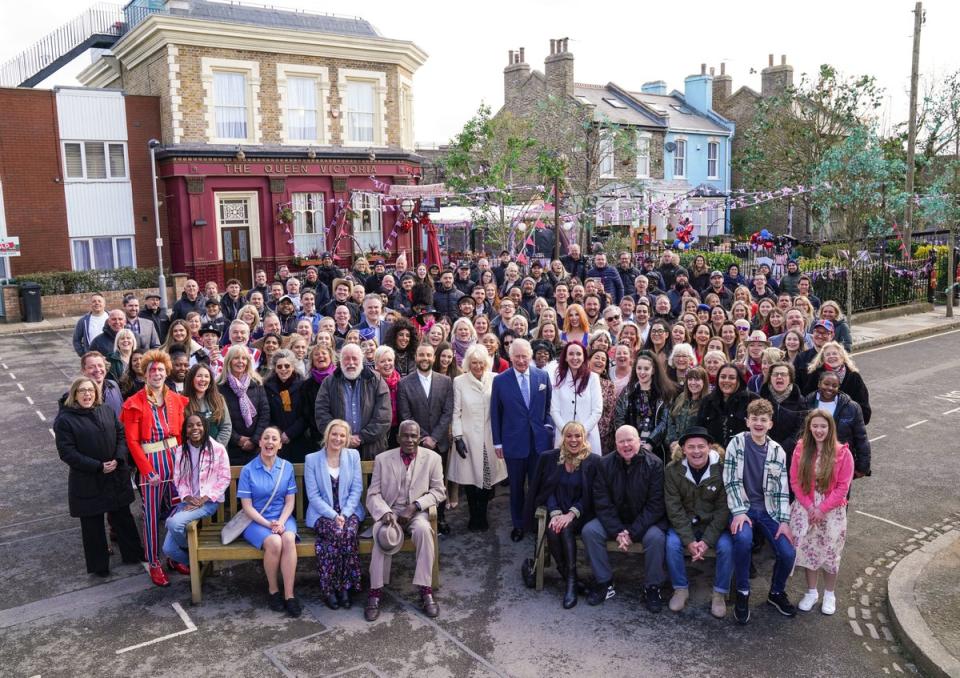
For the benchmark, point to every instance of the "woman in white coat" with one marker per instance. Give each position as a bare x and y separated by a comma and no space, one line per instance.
577,395
475,465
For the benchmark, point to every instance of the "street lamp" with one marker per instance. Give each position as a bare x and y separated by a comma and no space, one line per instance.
406,206
161,280
562,161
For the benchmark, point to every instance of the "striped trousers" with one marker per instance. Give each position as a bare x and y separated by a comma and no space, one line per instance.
156,502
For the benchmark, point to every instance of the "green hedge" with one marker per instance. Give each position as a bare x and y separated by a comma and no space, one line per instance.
78,282
716,261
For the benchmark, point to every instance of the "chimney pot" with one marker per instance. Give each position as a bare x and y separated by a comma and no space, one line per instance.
566,47
509,57
783,59
770,60
723,68
553,46
703,69
521,56
711,70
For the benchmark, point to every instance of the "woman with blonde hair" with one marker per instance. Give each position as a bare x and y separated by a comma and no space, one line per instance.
124,344
830,310
250,315
462,337
681,360
820,477
562,483
806,308
242,389
832,358
475,467
333,479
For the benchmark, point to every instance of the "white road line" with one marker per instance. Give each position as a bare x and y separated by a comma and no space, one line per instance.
19,385
878,438
40,414
13,376
34,520
52,434
29,400
4,365
904,343
38,536
889,522
917,423
955,409
191,627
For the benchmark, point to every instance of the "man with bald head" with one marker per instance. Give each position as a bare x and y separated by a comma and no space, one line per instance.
629,505
359,396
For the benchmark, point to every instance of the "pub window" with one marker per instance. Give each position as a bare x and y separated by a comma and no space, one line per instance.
367,220
230,104
308,223
360,111
302,109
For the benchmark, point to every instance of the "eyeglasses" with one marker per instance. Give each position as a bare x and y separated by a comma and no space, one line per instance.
614,317
86,390
657,331
282,366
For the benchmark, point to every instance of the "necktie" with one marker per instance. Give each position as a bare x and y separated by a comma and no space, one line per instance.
525,390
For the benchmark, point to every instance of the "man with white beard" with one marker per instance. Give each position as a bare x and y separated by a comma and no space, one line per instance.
359,396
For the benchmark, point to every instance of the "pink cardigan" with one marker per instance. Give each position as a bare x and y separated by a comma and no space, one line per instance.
214,477
836,494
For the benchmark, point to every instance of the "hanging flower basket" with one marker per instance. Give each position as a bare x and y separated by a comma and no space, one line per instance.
285,216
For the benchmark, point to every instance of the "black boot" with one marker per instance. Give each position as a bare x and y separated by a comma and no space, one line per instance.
570,556
473,524
483,498
555,546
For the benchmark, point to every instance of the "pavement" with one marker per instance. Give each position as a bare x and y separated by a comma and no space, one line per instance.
55,620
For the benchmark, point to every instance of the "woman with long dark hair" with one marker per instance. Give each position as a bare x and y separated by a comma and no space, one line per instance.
659,342
599,362
576,395
445,362
724,412
203,398
403,338
644,402
820,478
284,389
201,475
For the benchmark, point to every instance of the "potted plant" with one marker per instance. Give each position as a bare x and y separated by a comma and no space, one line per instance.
285,215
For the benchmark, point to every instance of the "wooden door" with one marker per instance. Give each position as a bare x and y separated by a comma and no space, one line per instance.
236,254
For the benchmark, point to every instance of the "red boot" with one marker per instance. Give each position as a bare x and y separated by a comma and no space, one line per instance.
158,576
178,567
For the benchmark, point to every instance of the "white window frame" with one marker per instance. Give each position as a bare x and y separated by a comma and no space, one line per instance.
606,167
321,76
116,251
317,212
372,204
106,158
680,159
379,81
643,158
251,72
715,144
406,112
4,261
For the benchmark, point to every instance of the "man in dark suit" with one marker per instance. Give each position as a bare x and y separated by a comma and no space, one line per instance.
373,318
519,416
426,397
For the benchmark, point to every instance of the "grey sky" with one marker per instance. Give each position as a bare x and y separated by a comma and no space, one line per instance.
624,42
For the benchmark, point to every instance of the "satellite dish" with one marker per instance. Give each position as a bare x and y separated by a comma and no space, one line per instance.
670,147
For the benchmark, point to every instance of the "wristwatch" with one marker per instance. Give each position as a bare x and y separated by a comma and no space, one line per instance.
417,505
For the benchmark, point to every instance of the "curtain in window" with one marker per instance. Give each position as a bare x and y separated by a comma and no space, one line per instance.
81,255
103,253
360,111
96,160
125,252
74,161
230,105
302,108
118,167
308,232
643,157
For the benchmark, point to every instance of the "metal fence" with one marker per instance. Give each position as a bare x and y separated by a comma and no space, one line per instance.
876,284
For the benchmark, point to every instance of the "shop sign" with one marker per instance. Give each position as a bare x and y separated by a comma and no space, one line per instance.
10,247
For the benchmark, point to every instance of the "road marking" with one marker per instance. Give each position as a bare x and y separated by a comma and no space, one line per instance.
40,414
4,366
38,536
917,423
19,385
878,438
30,400
955,409
191,627
52,434
13,376
870,515
904,343
34,520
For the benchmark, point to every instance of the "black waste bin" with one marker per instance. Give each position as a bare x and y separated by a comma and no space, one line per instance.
30,308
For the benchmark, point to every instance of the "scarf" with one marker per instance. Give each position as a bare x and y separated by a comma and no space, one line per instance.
284,392
780,397
239,388
460,349
320,375
392,382
841,371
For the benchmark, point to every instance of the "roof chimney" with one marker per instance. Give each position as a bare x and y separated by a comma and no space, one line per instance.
783,59
776,79
703,69
514,75
770,60
722,87
553,46
522,59
698,90
654,87
558,69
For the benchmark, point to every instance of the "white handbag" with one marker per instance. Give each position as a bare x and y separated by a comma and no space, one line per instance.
239,522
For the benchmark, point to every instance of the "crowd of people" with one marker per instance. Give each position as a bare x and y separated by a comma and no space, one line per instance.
689,411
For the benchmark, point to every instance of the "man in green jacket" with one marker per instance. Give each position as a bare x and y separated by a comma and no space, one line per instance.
697,510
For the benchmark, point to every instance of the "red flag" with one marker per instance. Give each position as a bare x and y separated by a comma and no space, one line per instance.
529,241
521,258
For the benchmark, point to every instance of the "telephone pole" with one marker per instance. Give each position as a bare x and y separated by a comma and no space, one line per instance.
918,17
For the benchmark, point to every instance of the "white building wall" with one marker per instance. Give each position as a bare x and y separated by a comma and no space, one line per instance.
91,115
95,209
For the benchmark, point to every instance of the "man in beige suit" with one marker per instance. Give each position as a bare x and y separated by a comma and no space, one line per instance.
406,482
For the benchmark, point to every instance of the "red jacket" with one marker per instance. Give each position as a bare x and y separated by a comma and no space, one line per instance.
138,424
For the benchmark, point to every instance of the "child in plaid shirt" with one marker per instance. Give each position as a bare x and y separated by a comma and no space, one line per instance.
757,483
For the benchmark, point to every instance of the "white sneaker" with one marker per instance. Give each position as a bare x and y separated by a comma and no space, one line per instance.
808,601
829,605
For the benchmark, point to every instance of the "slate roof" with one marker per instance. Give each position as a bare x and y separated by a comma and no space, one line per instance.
277,18
600,96
682,117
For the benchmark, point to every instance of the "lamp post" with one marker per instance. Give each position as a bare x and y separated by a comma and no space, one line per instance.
161,280
407,206
562,162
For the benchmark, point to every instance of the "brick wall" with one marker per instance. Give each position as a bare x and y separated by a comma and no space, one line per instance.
151,78
30,170
143,124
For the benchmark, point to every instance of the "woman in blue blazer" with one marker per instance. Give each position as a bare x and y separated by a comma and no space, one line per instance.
334,481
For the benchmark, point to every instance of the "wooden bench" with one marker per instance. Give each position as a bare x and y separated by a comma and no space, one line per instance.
203,537
543,555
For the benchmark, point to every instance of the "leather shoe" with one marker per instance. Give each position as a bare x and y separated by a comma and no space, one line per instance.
178,567
372,611
443,527
343,597
158,576
429,606
332,601
516,535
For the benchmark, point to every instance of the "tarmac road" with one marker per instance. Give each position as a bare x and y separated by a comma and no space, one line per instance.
57,621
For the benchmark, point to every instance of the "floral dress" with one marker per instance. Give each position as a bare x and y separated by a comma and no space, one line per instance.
605,425
338,557
819,546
